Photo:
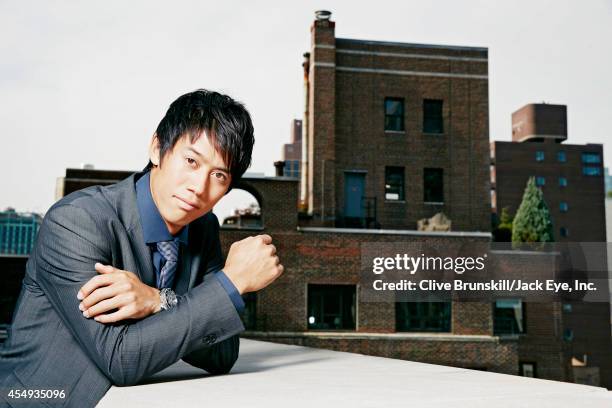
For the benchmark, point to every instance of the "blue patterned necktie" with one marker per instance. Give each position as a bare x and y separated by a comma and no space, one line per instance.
169,251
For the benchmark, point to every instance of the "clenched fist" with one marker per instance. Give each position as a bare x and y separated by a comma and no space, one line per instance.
252,263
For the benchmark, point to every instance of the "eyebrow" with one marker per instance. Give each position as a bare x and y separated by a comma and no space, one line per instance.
202,157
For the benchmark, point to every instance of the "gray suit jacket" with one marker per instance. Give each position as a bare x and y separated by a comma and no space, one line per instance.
52,346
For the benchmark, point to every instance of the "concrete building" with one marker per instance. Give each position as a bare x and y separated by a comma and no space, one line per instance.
571,178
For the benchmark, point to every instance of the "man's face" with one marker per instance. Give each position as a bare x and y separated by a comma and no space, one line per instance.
190,181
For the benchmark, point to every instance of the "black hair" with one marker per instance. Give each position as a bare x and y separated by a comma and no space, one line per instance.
225,121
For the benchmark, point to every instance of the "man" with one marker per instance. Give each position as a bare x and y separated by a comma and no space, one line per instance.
127,279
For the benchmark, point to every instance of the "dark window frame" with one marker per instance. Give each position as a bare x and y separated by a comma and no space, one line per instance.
433,116
318,294
591,171
390,188
561,156
522,369
394,121
424,317
431,194
591,158
501,323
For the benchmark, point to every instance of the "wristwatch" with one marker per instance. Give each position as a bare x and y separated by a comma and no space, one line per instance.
167,298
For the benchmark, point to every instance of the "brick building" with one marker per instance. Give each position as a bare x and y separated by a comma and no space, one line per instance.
292,152
570,175
571,178
395,132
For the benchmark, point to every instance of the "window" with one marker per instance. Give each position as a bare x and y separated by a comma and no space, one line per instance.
394,183
561,156
539,156
568,335
540,181
562,182
394,114
433,122
423,316
563,207
564,231
528,370
591,171
331,307
292,168
509,317
591,158
433,185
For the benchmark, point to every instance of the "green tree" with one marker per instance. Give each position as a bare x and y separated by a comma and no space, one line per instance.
532,221
503,231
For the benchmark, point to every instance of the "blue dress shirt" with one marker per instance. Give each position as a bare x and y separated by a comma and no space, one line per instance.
155,230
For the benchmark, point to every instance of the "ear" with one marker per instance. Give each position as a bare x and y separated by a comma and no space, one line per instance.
154,150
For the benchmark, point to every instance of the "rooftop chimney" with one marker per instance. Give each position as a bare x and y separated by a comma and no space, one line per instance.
322,15
280,168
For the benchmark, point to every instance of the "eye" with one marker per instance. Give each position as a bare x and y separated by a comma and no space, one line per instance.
220,176
191,161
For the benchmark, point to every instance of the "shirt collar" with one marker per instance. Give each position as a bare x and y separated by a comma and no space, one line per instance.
154,228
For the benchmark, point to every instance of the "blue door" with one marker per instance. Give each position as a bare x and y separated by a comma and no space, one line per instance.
354,185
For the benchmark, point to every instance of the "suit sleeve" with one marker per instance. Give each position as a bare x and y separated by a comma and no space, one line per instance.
220,358
70,241
216,359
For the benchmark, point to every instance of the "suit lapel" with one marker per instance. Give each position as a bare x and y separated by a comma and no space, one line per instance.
190,257
127,210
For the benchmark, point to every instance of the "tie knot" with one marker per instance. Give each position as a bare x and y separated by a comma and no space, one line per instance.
169,250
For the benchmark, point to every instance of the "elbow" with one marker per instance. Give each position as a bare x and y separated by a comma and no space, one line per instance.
123,372
120,379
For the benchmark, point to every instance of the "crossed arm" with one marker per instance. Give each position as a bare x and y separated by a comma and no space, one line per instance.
123,291
201,329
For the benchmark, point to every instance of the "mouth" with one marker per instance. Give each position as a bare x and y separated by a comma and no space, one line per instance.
186,205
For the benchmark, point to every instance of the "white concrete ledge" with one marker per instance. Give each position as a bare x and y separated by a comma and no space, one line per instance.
474,234
274,375
421,336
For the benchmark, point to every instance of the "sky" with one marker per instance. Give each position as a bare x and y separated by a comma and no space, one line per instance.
88,82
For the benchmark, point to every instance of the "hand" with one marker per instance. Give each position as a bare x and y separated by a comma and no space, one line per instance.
117,289
252,263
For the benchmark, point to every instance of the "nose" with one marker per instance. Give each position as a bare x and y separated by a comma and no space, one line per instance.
199,184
